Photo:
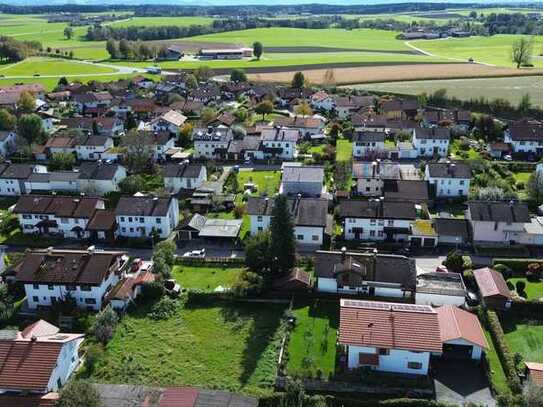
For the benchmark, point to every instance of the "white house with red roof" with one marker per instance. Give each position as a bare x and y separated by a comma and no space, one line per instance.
389,337
37,360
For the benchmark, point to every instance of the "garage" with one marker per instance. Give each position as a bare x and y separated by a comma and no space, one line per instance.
457,351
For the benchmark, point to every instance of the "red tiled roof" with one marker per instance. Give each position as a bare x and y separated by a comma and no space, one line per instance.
389,325
456,323
27,365
491,283
179,397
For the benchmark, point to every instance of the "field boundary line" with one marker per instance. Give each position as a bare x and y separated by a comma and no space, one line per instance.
407,43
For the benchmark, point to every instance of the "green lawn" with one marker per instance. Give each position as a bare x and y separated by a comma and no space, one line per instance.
497,374
51,66
267,181
205,278
312,345
344,150
526,338
319,149
229,346
494,50
522,176
533,290
458,153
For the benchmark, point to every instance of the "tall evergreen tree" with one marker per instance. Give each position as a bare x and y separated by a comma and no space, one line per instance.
283,246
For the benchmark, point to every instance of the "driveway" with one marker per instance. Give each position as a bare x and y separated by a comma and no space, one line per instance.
461,382
427,264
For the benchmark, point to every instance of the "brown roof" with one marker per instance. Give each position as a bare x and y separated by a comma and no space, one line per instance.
47,400
27,365
536,372
102,220
491,283
456,323
66,266
296,279
61,206
61,142
125,288
389,325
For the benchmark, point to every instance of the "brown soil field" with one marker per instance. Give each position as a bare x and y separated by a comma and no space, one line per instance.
395,73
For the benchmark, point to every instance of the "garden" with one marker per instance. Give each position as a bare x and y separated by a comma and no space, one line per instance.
205,278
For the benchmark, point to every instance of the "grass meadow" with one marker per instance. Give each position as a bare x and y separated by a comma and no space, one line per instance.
205,278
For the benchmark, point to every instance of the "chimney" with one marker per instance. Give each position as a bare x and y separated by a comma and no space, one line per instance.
91,249
343,253
373,169
33,338
50,250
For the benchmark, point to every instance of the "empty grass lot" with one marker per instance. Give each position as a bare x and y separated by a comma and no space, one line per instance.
312,345
229,346
525,337
267,181
205,278
344,150
51,66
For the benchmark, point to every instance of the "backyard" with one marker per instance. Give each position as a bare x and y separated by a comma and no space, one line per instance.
497,375
231,346
205,278
524,337
344,150
267,182
532,291
312,345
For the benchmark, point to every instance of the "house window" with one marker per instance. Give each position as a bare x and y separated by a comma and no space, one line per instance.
373,221
130,218
50,286
384,351
35,298
36,286
90,301
260,228
85,288
414,365
141,220
390,223
259,218
372,233
315,238
158,220
122,218
300,237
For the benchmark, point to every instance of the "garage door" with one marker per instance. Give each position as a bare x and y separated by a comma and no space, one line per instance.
451,351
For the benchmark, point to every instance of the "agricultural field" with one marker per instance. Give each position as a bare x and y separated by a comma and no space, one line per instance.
52,67
492,88
231,346
156,21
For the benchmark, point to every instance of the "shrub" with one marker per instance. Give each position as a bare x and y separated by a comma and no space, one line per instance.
79,393
152,291
518,267
505,271
248,283
534,272
239,211
520,287
105,324
164,309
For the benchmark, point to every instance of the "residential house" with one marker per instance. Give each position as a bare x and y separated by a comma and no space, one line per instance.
172,53
307,126
53,275
437,289
212,143
91,102
103,125
92,148
407,190
130,286
198,226
170,122
184,176
430,142
102,226
389,337
376,219
56,181
449,179
14,176
400,109
309,215
369,122
157,143
144,216
36,361
461,333
525,137
492,288
381,275
370,176
367,144
347,105
322,101
248,148
100,178
280,143
452,231
7,142
57,215
496,221
303,180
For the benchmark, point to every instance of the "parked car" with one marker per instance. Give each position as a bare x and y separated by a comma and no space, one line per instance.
195,253
508,157
472,299
172,288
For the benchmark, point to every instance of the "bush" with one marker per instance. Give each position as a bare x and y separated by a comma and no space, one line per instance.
152,291
164,309
505,271
520,287
77,394
517,266
248,283
105,324
534,272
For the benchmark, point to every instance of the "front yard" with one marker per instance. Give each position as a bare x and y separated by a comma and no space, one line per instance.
312,345
224,345
205,278
267,182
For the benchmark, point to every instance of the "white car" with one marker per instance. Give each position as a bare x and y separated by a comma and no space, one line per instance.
195,253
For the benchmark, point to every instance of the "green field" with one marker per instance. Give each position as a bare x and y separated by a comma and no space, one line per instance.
156,21
205,278
229,346
51,67
312,344
495,50
511,89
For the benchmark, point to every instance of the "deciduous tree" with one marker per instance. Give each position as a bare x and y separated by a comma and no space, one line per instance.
79,393
265,107
258,49
68,33
521,53
30,128
298,80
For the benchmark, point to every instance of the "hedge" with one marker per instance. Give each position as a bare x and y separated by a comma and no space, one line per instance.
331,401
518,266
527,309
502,349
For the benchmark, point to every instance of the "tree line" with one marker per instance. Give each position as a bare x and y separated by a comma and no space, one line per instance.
12,50
164,32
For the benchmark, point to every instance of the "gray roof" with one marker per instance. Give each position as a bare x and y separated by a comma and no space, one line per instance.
377,209
15,171
303,174
182,170
509,212
369,136
142,206
97,170
440,133
441,283
406,190
383,268
449,170
280,134
228,228
304,211
452,227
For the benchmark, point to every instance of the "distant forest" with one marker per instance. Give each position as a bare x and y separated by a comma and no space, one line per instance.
260,10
